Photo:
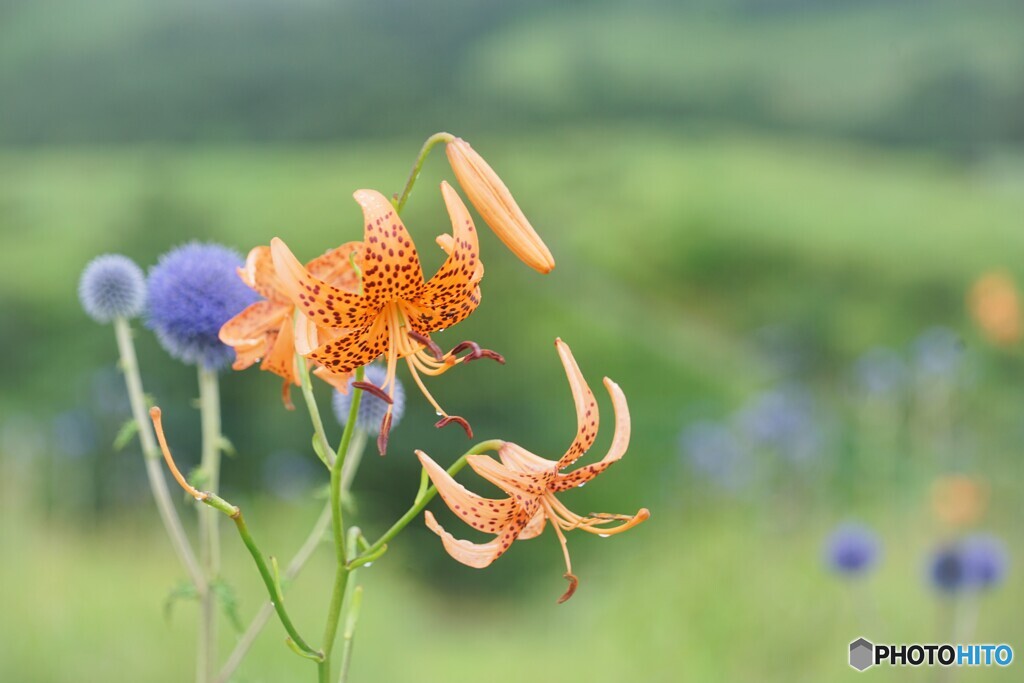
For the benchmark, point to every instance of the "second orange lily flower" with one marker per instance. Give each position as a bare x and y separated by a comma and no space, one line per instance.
532,482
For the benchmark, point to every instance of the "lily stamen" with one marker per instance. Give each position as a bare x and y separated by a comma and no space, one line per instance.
448,419
372,388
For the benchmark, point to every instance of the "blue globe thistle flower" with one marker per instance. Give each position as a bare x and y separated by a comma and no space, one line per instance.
371,408
716,453
985,559
947,569
112,286
852,549
783,421
938,354
193,291
879,372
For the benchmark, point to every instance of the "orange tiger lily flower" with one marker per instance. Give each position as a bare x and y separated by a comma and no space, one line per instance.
532,482
264,330
396,310
489,195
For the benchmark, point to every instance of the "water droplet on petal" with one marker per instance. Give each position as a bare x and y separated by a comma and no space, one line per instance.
438,413
581,485
603,535
368,565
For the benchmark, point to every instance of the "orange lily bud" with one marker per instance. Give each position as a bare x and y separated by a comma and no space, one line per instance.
995,305
489,195
958,500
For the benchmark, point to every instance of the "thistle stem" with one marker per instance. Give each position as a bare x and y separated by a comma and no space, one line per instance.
421,501
267,609
209,536
157,482
417,166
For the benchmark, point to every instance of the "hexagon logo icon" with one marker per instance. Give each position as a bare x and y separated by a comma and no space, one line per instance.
862,654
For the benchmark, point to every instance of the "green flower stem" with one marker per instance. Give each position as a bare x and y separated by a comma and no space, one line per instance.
245,643
353,602
269,579
154,469
417,166
209,536
338,528
314,411
419,503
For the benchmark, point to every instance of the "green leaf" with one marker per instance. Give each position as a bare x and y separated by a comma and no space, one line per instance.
124,435
183,591
226,447
318,449
228,601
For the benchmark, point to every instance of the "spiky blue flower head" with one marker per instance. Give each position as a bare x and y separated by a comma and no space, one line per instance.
880,372
371,408
939,353
193,290
985,559
112,286
715,452
784,421
947,569
852,549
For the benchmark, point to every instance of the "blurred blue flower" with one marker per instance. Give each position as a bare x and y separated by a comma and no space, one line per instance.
193,291
938,353
74,434
112,286
371,408
715,452
879,372
289,475
985,559
782,420
947,570
852,549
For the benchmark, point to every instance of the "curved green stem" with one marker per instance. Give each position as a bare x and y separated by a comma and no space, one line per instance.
269,579
151,452
417,166
421,501
267,609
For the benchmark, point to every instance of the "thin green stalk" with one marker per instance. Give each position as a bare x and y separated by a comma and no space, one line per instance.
245,643
353,602
209,536
314,412
154,472
270,580
418,166
273,588
338,529
421,501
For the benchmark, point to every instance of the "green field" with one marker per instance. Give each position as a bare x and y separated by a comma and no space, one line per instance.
674,248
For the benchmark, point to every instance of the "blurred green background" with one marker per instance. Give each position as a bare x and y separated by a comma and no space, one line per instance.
747,200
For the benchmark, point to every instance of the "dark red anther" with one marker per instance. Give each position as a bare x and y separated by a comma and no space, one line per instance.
371,388
431,345
487,353
573,585
476,352
445,421
385,431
